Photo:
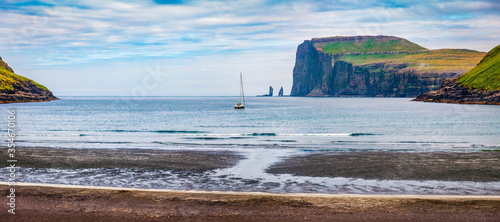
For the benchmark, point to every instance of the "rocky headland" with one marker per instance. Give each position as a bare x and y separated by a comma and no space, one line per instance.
15,88
481,85
375,66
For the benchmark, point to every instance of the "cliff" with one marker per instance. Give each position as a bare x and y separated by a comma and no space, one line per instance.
481,85
384,66
16,88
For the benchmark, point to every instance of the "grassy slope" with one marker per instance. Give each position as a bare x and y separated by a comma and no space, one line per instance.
486,75
8,79
372,45
447,60
436,60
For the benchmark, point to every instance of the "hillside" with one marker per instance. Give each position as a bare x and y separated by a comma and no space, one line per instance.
452,60
16,88
375,66
480,85
486,75
365,44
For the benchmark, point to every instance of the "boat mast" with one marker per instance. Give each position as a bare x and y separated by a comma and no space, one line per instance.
242,92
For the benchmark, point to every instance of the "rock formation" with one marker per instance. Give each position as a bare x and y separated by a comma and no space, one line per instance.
280,93
451,92
383,66
270,92
480,85
16,88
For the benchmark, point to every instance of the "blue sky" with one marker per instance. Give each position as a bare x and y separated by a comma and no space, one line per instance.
193,47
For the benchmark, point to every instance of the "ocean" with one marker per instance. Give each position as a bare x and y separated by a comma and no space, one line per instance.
267,131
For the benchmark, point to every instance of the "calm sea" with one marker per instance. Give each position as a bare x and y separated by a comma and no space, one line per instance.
274,128
313,123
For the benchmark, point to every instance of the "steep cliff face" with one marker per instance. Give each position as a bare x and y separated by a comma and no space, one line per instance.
481,85
16,88
311,69
369,66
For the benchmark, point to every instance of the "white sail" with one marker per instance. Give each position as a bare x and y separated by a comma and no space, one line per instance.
241,104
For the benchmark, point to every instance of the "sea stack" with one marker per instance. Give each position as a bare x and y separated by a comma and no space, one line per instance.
280,93
270,92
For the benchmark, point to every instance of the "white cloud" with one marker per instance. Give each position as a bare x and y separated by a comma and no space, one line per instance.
220,37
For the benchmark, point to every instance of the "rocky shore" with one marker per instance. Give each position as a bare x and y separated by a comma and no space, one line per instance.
451,92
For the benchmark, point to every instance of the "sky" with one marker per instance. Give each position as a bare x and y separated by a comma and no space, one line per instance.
198,48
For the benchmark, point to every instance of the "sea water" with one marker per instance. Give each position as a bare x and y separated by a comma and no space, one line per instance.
268,130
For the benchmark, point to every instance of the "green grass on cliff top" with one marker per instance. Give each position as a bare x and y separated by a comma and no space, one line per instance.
459,60
371,45
486,75
8,79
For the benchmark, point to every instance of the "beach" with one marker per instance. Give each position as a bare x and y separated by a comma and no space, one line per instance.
46,202
443,166
145,159
368,172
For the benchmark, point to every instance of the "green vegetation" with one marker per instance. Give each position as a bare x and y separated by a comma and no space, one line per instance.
8,79
372,58
371,45
436,60
486,75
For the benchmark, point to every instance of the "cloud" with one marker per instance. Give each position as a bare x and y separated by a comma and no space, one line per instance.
55,35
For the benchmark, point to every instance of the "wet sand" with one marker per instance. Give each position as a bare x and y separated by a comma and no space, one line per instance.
64,158
443,166
40,203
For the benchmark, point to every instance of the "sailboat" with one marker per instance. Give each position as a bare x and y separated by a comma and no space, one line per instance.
241,104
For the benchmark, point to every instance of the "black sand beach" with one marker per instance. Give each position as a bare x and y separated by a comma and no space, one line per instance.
64,158
69,203
40,202
443,166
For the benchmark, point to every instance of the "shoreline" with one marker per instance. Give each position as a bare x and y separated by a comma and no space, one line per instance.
49,202
253,193
261,170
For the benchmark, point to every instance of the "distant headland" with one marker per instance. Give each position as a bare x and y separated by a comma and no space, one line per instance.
375,66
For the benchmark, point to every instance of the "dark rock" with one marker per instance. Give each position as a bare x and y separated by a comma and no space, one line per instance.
451,92
280,93
270,92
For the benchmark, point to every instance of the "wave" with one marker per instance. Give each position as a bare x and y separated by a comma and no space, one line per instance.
154,131
261,134
135,131
178,131
74,141
204,138
283,141
46,135
364,134
203,133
